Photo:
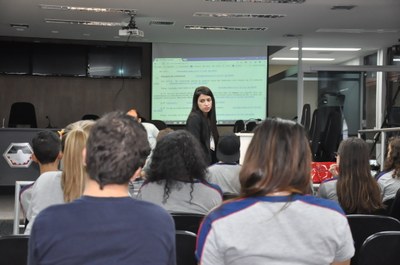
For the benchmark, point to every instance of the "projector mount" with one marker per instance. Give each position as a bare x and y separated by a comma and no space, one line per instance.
131,29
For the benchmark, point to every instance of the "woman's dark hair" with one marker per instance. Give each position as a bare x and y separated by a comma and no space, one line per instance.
203,90
177,157
392,161
277,159
357,190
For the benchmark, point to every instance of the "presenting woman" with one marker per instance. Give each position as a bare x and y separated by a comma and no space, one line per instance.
202,122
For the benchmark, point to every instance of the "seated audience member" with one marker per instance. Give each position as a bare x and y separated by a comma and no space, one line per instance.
46,190
390,181
225,173
355,189
176,178
151,129
274,222
105,225
74,173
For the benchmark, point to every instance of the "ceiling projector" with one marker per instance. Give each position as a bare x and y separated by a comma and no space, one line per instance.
131,32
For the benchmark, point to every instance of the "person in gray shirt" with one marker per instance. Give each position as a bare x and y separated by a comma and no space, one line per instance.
225,173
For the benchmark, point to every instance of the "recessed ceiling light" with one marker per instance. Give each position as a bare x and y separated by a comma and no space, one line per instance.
201,27
87,9
237,15
396,60
303,59
326,49
54,31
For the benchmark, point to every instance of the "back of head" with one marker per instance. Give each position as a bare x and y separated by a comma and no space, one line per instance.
354,159
73,176
177,156
357,190
278,159
116,148
228,150
393,158
46,146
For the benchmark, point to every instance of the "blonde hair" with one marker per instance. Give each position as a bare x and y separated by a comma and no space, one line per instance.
74,174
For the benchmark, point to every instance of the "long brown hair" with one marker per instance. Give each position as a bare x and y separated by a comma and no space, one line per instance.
392,161
278,159
357,190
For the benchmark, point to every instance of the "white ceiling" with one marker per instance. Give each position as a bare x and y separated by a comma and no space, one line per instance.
300,19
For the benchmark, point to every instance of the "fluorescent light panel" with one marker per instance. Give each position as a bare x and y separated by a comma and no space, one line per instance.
261,1
237,15
326,49
87,9
82,22
202,27
303,59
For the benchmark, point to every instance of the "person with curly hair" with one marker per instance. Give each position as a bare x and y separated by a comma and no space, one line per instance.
177,176
390,181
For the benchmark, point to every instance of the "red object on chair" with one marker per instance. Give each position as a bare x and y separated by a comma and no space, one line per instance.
320,171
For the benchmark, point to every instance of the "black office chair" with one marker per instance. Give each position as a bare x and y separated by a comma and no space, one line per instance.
14,249
185,247
238,126
306,117
394,209
363,225
22,114
161,125
381,248
187,221
90,117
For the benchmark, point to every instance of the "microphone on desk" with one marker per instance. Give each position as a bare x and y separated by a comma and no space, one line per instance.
49,124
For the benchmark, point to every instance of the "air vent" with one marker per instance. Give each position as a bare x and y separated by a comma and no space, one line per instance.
161,23
261,1
200,27
82,22
348,7
237,15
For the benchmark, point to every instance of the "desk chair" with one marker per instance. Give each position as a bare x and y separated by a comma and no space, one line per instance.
22,114
187,221
363,225
381,248
185,248
14,249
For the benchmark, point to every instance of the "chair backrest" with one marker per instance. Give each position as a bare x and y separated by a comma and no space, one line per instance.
14,249
22,114
394,210
187,221
238,126
381,248
362,226
306,117
185,247
90,117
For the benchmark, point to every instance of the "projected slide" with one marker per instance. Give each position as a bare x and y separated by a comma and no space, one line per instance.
238,84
